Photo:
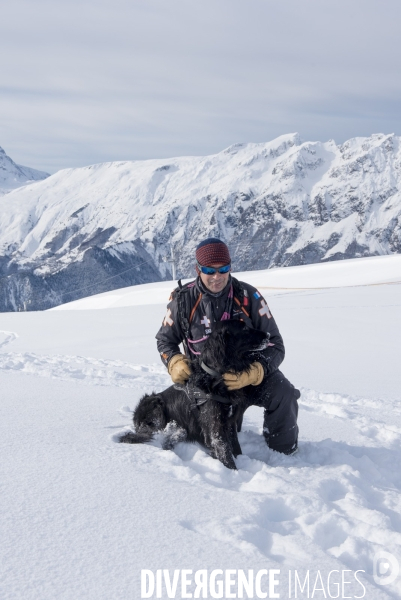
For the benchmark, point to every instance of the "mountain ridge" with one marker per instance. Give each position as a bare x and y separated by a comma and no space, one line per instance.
279,203
13,176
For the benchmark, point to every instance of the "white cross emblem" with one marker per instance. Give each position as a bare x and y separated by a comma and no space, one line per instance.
205,321
264,310
167,319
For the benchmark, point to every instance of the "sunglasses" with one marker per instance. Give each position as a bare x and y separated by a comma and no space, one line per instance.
212,270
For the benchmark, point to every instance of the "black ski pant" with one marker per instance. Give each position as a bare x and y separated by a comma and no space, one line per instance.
280,401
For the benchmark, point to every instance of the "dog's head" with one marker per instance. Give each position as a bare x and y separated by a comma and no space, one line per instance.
232,346
150,414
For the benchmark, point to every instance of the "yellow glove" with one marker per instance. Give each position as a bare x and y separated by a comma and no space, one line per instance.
236,381
179,369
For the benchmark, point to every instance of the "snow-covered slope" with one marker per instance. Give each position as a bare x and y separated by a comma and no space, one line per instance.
280,203
83,515
346,273
15,176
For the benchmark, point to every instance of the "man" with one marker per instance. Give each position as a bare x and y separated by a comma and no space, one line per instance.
216,296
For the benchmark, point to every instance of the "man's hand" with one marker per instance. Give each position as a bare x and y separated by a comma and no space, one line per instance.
179,369
236,381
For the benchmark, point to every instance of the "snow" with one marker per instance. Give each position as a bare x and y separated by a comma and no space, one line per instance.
327,199
345,273
82,515
13,176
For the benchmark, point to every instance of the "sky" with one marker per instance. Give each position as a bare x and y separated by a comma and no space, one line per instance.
88,81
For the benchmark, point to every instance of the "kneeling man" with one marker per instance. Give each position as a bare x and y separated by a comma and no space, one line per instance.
216,296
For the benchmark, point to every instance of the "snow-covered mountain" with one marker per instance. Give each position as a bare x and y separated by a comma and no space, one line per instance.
14,176
281,203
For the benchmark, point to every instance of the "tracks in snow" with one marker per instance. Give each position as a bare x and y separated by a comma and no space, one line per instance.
91,371
6,337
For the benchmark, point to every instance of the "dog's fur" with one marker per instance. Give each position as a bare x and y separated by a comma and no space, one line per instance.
230,347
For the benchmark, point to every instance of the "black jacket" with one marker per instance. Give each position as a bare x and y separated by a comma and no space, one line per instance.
192,311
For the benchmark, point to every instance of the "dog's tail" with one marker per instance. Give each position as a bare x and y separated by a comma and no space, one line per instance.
136,438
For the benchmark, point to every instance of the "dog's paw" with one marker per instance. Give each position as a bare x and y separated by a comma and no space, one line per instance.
173,436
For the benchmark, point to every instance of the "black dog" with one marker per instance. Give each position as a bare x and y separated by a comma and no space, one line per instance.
203,410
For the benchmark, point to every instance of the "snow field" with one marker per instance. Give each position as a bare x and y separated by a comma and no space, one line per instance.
92,370
82,515
374,270
332,497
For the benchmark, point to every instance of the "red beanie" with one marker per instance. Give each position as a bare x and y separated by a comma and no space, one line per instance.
212,252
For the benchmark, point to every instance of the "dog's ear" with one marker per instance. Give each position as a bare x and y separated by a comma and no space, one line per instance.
160,401
223,336
218,351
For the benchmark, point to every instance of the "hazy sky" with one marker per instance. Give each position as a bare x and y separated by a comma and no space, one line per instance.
86,81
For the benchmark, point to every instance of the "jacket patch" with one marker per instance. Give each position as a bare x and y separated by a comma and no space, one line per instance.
205,321
264,310
167,319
